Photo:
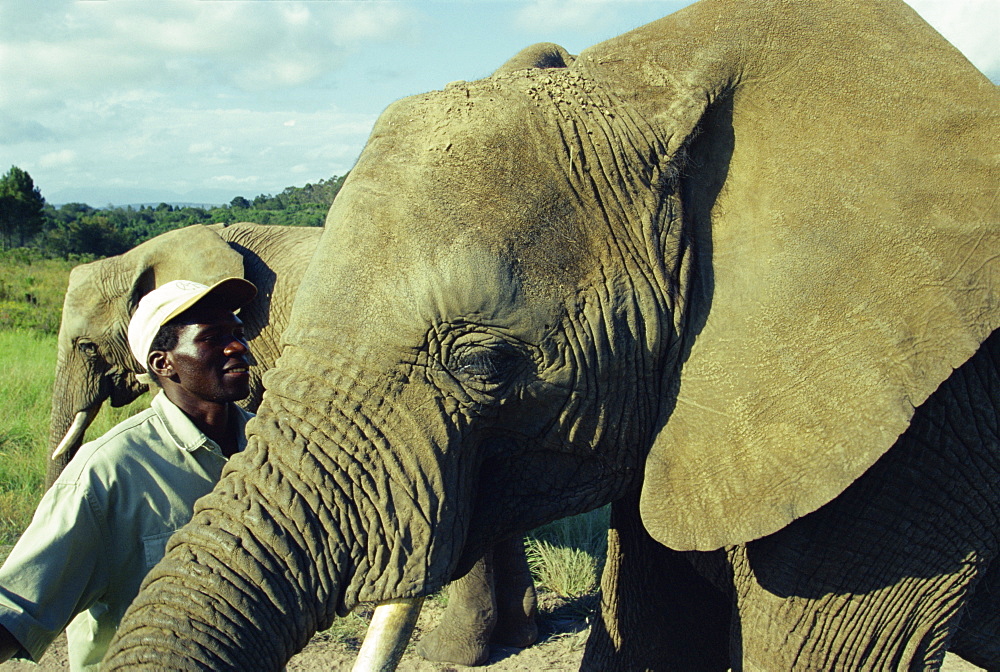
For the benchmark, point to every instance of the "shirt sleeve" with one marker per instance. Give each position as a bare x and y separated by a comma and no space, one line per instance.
57,569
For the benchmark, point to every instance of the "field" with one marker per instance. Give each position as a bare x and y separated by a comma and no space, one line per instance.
566,556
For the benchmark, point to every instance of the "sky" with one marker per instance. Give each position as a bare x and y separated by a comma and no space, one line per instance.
142,101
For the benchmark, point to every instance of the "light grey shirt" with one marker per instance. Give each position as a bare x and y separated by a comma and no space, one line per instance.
102,526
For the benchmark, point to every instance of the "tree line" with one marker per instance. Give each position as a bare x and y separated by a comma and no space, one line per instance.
78,230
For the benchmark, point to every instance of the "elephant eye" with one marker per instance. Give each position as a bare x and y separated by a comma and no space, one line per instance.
484,363
88,348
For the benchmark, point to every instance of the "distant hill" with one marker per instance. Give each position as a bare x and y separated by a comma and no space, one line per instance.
103,196
139,206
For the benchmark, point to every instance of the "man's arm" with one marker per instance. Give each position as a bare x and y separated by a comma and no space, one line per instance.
8,645
54,571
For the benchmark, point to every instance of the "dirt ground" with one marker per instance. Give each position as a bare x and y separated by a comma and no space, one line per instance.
562,639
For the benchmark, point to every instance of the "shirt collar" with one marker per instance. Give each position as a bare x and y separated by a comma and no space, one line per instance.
183,432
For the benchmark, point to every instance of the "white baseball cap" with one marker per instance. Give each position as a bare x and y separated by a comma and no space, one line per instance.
171,299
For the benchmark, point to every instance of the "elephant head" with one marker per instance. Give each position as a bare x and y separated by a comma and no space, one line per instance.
722,257
94,364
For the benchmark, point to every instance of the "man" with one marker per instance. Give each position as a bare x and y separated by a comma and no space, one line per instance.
105,522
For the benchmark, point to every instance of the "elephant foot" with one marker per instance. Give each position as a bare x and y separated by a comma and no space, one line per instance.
461,641
517,622
518,634
516,599
463,635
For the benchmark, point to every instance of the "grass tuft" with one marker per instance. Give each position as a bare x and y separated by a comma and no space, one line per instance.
566,556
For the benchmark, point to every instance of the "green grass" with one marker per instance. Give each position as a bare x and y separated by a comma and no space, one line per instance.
32,291
31,298
25,397
567,556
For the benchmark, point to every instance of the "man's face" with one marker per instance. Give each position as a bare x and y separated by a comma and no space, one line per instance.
211,360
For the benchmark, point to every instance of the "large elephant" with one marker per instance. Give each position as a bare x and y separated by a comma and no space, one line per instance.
95,365
735,271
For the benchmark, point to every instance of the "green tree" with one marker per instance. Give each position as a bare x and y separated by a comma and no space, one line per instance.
21,205
93,235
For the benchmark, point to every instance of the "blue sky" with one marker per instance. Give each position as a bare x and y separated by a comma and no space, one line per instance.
128,101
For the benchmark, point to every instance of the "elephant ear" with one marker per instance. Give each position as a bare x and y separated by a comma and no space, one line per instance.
839,180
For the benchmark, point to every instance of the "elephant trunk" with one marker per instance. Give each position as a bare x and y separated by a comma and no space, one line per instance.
246,583
303,525
73,409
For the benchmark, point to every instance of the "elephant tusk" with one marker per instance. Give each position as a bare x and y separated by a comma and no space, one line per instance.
389,633
75,432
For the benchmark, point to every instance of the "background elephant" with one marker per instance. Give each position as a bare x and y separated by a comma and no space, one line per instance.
94,365
734,271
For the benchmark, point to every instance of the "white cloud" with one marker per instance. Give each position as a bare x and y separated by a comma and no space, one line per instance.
230,180
182,149
370,21
281,71
169,93
105,46
63,157
296,14
200,147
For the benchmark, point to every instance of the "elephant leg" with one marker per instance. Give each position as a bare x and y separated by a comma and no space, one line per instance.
905,625
463,635
516,600
657,612
865,582
978,637
883,576
495,603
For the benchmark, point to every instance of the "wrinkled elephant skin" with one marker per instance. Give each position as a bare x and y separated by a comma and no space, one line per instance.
734,271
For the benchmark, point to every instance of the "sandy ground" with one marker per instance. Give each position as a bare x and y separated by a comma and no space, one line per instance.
563,637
